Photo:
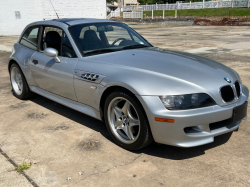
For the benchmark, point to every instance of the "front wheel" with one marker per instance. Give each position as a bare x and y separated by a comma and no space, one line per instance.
126,121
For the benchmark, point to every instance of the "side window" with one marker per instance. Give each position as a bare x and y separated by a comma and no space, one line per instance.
30,38
67,49
52,37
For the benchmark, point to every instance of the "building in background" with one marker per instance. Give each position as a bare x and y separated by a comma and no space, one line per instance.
126,2
112,6
16,14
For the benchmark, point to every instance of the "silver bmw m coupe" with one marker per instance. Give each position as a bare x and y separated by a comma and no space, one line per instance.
143,93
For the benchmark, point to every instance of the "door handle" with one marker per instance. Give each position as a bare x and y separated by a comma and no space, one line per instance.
35,62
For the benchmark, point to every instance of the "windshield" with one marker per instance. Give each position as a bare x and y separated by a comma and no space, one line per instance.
96,38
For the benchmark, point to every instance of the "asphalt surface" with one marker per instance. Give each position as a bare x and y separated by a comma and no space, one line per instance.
67,148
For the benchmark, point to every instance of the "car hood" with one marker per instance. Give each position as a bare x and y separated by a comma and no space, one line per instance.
188,67
155,71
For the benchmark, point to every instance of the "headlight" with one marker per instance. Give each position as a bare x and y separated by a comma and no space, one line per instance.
189,101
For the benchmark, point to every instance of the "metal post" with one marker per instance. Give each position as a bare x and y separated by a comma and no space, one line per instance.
203,3
152,14
248,3
190,5
232,3
163,13
176,6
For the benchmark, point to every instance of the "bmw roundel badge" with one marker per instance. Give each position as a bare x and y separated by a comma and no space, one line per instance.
228,80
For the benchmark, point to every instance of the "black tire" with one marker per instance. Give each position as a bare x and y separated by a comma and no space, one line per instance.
145,135
26,93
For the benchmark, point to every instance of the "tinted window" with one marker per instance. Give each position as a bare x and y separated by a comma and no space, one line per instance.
67,49
52,37
105,37
118,32
30,38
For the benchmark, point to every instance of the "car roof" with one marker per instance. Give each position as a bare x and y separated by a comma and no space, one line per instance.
76,21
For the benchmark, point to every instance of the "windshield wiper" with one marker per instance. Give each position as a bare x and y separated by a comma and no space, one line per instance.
97,51
135,46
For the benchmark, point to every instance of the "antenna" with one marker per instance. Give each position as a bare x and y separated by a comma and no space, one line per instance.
54,9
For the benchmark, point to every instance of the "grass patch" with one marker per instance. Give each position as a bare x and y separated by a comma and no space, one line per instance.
23,166
219,12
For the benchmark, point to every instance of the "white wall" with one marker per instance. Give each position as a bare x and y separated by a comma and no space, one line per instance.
36,10
74,9
30,10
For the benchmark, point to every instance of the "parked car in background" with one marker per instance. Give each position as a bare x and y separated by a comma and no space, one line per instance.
143,93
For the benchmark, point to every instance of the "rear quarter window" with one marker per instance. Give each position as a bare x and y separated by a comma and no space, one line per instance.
30,38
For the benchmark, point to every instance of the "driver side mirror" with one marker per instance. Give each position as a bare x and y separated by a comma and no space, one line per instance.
51,52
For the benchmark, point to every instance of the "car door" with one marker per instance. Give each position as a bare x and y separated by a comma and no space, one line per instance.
50,75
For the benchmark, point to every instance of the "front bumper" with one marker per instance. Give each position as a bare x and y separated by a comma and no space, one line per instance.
191,127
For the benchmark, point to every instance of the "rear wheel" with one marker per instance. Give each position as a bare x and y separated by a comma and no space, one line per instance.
20,88
126,121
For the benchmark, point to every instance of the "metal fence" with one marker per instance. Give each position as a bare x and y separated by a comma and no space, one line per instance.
133,14
191,5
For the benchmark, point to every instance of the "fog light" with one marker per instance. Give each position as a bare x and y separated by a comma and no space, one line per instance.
194,129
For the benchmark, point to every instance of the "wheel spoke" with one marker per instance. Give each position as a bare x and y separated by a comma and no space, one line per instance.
125,107
133,123
16,78
131,117
118,124
19,87
128,132
19,78
117,112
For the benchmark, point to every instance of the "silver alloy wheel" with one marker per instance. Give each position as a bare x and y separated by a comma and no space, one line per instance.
123,120
16,81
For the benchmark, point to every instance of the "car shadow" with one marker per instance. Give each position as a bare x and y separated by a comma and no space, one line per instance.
71,114
180,153
157,150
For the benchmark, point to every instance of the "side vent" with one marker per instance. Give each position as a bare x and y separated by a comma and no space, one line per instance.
87,76
90,77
